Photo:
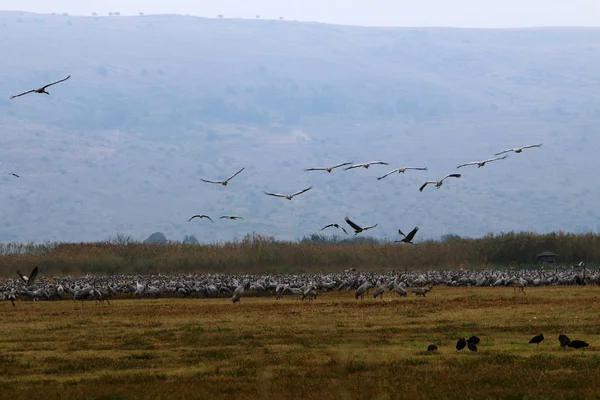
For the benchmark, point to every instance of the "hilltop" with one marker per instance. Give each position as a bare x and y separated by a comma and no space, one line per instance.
157,102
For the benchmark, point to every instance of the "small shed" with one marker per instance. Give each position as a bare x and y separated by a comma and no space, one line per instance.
547,257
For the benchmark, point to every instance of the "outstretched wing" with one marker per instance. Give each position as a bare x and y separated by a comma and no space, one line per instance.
496,158
13,174
54,83
505,151
425,184
316,169
301,191
275,194
233,176
451,176
352,224
412,234
200,216
353,166
401,233
326,226
531,145
342,228
206,216
341,165
369,227
23,277
207,181
389,173
377,162
417,168
464,165
32,276
22,94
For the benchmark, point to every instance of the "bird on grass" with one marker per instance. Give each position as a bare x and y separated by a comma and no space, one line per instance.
483,162
564,340
537,339
328,169
358,229
461,344
40,90
474,340
200,216
289,196
226,181
366,164
471,346
519,149
432,347
438,184
230,217
577,344
407,238
29,280
335,226
401,171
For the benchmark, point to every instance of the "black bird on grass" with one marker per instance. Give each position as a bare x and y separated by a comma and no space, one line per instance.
432,347
564,340
40,90
407,238
537,339
474,340
461,344
472,346
577,344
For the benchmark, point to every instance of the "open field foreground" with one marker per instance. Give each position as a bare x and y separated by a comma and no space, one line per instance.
334,347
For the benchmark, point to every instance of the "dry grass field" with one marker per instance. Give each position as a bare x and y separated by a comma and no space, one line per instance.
332,348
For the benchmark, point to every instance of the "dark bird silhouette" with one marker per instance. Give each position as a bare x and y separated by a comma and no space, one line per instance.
13,174
432,347
471,346
519,149
29,280
564,340
230,217
407,238
401,171
473,339
438,184
335,226
461,344
226,181
358,229
289,196
577,344
483,162
200,216
40,90
328,169
537,339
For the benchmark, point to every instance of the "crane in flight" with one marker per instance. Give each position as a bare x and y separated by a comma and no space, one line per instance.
519,149
328,169
483,162
226,181
401,171
289,196
40,90
438,184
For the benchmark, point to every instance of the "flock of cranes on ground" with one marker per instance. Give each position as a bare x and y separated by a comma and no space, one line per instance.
349,165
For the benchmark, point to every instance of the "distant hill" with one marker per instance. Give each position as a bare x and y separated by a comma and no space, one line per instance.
157,102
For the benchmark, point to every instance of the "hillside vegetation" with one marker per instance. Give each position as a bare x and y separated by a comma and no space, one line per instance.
157,102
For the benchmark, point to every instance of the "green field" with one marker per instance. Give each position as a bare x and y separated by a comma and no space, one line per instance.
333,347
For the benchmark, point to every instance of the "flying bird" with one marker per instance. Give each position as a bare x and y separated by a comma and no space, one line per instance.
519,149
40,90
289,196
438,184
29,280
358,229
537,339
366,164
328,169
407,238
335,226
230,217
226,181
482,163
200,216
13,174
401,171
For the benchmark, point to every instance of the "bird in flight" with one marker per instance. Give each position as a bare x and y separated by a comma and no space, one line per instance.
289,196
29,280
13,174
519,149
224,183
335,226
482,163
407,238
200,216
40,90
328,169
230,217
358,229
439,183
401,171
366,164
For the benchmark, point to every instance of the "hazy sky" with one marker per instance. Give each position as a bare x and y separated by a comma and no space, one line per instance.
460,13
